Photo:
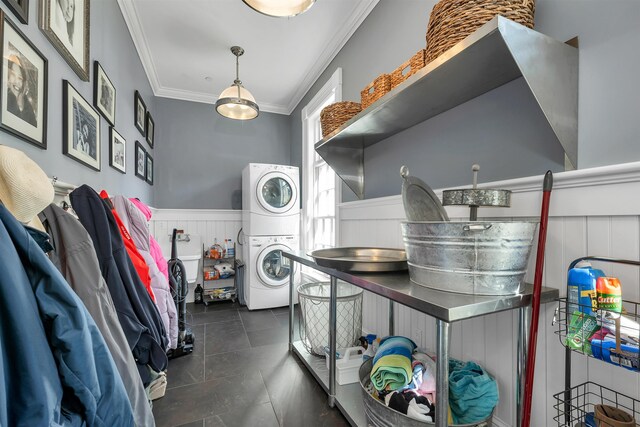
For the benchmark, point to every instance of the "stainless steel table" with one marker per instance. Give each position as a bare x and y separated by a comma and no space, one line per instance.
446,307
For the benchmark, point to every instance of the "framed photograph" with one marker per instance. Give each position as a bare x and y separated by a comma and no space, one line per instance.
149,169
20,8
23,110
149,127
80,128
66,25
117,151
140,113
104,94
141,161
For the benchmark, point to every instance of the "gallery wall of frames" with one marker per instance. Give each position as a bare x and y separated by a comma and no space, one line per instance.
74,95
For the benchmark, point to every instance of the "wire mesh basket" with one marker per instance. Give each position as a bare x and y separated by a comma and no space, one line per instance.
573,406
601,334
314,315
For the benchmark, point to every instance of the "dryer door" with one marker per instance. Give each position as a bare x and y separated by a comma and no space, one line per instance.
277,192
274,269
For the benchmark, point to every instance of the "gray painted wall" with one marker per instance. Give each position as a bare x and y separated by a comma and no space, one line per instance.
199,163
111,44
503,130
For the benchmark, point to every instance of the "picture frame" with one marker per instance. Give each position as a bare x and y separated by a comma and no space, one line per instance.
149,127
66,24
149,169
141,161
104,94
139,113
80,128
24,87
20,9
117,151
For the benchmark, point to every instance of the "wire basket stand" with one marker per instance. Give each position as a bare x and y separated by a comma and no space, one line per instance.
314,315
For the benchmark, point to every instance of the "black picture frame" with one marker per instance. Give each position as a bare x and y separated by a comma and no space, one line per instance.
80,128
104,94
71,39
117,151
20,9
150,126
19,55
139,113
140,161
149,168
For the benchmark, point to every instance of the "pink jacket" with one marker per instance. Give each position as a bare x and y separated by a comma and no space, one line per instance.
156,252
138,226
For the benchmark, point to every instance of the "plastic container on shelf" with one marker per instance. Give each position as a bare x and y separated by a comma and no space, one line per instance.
348,365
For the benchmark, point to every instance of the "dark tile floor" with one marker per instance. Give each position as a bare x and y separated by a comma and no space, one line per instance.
241,374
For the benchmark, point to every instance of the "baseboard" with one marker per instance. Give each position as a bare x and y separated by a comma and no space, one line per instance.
497,422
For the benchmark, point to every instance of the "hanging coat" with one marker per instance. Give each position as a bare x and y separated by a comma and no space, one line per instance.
138,315
58,370
156,251
135,221
75,257
136,258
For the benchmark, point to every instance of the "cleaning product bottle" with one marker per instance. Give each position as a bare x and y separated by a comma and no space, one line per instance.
197,294
581,289
609,293
369,352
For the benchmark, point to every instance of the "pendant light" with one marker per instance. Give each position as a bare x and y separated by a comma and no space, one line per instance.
280,8
236,102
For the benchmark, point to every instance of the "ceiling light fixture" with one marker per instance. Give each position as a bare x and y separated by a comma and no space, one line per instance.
236,102
280,8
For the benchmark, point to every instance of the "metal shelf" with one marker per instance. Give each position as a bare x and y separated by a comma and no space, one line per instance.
447,306
497,53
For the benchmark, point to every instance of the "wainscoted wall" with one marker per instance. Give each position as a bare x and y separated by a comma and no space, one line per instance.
593,212
203,225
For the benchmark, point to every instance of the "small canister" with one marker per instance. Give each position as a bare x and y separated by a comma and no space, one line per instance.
609,294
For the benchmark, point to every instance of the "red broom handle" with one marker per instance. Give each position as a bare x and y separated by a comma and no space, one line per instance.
535,302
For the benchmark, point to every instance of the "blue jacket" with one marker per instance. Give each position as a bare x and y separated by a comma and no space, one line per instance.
55,366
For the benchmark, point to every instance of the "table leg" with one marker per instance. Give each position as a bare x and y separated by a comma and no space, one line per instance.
524,315
332,340
391,321
291,305
442,372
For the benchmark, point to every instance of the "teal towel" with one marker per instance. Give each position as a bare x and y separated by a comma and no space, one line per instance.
472,392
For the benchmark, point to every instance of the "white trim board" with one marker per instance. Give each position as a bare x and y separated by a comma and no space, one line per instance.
600,191
196,215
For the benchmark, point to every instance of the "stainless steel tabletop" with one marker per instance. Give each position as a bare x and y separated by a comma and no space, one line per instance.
447,306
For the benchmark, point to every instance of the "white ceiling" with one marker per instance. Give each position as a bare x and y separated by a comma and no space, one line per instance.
184,47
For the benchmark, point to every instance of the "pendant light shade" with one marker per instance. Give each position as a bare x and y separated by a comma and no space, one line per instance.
236,102
280,8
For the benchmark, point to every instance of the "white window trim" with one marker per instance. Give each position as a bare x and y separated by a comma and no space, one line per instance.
332,86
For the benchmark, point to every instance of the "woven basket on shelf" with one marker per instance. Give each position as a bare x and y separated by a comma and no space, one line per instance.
334,115
375,90
453,20
407,69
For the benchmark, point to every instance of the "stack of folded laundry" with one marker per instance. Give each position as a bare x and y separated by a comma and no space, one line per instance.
403,378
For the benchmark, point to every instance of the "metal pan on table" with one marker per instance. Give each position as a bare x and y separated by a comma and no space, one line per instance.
361,259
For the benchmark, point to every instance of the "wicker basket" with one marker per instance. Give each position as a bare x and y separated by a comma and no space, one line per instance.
334,115
375,90
453,20
407,69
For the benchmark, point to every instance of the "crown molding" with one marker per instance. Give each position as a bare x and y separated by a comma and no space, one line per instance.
341,38
130,14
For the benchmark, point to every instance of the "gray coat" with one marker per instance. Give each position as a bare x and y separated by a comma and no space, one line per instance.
76,259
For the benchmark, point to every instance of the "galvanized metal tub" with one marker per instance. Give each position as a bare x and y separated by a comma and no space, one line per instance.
472,257
379,415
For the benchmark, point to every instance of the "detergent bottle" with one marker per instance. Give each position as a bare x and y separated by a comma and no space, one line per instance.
581,289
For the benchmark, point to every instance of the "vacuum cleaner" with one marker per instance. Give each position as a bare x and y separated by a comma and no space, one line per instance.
179,290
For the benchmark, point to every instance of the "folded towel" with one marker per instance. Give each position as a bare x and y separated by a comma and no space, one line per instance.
472,392
392,364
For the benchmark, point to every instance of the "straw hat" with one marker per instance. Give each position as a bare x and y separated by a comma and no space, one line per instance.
24,188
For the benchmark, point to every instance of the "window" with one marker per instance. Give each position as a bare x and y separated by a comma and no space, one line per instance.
320,187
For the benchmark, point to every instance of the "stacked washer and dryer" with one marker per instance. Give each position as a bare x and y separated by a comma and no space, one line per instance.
271,224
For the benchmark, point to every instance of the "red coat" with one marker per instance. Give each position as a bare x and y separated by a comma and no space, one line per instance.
138,262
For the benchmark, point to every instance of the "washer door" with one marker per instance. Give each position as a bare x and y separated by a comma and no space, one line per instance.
274,269
276,192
